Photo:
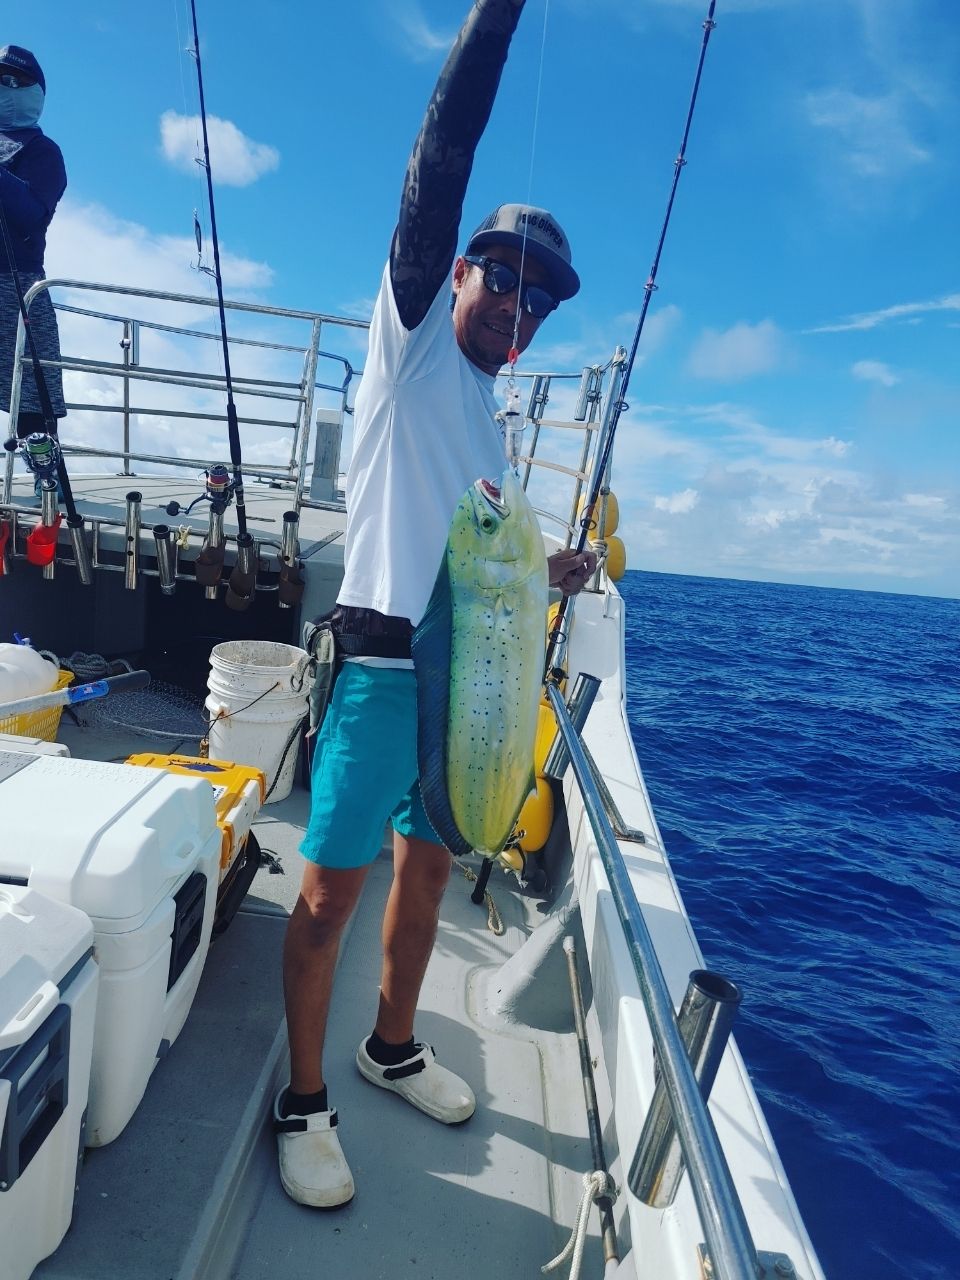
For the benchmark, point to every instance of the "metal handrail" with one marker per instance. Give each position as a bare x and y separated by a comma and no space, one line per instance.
302,394
728,1238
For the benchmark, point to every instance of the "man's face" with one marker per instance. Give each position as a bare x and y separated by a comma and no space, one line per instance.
483,321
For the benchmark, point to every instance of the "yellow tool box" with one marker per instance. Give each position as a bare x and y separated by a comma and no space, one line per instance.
239,792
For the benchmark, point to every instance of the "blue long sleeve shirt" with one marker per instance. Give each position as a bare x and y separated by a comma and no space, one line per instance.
32,181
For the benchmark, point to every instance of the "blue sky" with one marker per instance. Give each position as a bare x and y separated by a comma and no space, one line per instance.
795,413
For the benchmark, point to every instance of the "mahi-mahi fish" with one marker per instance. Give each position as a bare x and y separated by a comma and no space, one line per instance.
478,654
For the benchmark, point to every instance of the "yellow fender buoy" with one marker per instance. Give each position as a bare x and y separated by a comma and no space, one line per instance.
546,732
616,561
607,518
536,818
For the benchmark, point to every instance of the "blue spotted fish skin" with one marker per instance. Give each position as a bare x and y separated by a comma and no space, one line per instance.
497,572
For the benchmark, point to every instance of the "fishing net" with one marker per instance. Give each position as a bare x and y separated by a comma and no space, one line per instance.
159,711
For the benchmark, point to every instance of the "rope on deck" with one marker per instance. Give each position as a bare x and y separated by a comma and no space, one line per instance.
596,1185
494,921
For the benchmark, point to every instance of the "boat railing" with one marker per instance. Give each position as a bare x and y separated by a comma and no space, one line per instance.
579,395
583,420
299,395
729,1245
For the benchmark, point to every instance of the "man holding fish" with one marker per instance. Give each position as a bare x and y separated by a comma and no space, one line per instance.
426,429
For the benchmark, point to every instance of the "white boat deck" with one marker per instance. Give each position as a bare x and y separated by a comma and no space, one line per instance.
190,1188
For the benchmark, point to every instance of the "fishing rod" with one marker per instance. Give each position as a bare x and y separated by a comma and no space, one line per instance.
233,426
49,459
588,520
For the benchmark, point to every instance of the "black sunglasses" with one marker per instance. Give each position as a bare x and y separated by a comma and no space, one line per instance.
13,80
499,278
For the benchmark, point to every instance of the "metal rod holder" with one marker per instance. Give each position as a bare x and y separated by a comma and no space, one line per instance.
166,558
48,517
585,690
243,580
81,552
289,570
589,392
246,553
705,1018
539,395
131,571
214,542
289,537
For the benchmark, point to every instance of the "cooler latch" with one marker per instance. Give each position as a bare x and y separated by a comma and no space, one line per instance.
190,900
36,1074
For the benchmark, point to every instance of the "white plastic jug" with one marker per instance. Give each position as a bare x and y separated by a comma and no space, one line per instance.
24,673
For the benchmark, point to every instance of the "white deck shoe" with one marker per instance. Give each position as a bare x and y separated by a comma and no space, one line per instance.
313,1168
424,1083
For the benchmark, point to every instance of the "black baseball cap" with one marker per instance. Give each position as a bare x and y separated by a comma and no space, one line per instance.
535,232
12,55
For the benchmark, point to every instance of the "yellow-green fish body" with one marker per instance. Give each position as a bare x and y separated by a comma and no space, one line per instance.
479,655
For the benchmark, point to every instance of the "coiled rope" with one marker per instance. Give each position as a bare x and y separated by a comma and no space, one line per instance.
494,920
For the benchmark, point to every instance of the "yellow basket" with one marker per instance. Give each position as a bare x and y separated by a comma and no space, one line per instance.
37,724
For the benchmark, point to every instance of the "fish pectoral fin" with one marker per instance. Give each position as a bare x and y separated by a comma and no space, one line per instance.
502,608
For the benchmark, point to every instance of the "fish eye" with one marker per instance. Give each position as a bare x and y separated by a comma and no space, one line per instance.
487,524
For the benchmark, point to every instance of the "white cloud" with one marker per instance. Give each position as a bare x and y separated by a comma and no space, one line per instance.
742,351
772,505
420,41
235,159
872,131
874,371
930,501
88,242
907,311
678,504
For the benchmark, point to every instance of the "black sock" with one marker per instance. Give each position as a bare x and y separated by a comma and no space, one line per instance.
303,1104
390,1055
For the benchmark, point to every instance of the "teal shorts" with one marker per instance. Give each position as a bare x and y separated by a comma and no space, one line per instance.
365,768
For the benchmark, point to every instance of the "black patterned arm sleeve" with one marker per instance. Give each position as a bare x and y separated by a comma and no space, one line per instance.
426,236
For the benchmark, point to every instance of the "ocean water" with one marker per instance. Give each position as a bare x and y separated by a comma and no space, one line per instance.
802,750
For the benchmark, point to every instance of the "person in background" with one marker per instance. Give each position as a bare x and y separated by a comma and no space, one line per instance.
425,430
32,181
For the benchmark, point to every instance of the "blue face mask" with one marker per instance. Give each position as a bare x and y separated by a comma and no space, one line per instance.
20,108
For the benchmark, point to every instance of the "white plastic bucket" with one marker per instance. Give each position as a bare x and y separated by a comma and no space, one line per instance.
258,695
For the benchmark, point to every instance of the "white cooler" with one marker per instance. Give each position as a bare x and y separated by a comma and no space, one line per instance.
48,1001
138,851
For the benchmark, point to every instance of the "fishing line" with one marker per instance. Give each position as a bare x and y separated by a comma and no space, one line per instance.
43,395
588,520
233,425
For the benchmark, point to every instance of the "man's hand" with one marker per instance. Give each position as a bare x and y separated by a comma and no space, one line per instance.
571,570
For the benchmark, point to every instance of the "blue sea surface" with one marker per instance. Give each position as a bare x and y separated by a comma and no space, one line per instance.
802,750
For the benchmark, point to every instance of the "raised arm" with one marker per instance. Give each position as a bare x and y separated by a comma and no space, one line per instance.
425,240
